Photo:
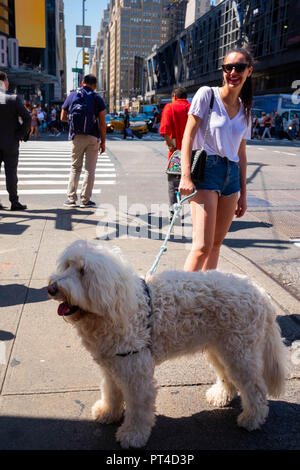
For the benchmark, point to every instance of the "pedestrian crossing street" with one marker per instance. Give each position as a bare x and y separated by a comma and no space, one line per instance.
44,169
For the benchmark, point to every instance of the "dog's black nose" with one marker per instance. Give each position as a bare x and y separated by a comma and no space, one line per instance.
52,289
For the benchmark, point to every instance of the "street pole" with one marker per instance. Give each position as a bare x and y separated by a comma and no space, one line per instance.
76,66
83,23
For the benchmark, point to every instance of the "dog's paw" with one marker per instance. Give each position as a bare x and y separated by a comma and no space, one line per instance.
105,415
219,396
252,422
132,437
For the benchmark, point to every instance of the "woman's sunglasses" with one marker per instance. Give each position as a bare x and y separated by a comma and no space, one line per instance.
239,67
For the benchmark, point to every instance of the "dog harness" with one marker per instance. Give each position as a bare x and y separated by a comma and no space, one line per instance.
147,294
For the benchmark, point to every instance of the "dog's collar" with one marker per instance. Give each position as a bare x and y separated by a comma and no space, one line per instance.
147,294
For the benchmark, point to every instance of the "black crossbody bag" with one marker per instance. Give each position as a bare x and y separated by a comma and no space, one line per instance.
198,156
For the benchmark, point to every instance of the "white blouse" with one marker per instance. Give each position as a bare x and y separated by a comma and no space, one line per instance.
224,135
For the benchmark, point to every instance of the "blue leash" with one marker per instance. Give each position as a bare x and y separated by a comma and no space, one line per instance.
163,249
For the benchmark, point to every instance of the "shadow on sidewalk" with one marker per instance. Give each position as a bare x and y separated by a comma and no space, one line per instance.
18,294
257,243
144,226
207,430
290,328
64,218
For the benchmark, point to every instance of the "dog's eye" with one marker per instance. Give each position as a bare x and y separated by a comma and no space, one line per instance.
81,271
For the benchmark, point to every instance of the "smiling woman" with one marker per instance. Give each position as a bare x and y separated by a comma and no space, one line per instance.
217,199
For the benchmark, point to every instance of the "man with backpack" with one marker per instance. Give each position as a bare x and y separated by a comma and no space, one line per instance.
86,113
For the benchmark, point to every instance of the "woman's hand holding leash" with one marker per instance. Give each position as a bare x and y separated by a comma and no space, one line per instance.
186,186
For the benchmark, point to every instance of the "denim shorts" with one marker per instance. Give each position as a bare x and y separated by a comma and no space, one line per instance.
221,175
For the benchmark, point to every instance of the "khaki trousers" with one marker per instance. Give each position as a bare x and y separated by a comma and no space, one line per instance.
83,145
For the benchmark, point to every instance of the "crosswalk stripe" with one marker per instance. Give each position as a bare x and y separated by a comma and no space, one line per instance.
39,192
45,167
52,159
48,175
61,170
54,183
58,164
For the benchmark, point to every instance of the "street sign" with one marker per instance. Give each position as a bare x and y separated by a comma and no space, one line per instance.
76,70
83,42
83,30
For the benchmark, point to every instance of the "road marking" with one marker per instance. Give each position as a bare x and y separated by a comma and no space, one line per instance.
47,166
55,182
58,164
65,176
67,158
40,192
61,170
287,153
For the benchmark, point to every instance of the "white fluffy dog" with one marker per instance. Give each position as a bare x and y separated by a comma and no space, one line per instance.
225,315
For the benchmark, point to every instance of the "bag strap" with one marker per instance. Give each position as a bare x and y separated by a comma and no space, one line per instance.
209,115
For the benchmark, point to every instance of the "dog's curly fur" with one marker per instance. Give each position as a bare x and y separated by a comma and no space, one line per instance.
225,315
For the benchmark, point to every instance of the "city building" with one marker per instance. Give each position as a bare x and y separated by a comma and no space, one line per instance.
32,54
135,27
195,9
98,58
270,29
176,14
62,51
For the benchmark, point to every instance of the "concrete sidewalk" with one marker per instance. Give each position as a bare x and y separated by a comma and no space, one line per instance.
49,382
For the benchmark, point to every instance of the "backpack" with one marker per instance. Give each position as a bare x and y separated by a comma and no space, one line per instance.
82,113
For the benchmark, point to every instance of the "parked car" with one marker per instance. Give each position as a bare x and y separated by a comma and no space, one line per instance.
109,126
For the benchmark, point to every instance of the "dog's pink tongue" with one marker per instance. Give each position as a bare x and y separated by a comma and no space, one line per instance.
63,309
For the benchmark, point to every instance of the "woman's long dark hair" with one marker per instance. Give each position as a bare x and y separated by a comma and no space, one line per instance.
246,93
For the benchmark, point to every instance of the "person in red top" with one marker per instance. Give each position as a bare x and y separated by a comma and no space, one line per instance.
172,125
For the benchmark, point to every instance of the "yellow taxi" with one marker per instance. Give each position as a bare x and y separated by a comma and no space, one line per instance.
136,123
117,122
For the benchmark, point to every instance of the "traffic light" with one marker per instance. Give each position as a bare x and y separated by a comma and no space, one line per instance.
86,58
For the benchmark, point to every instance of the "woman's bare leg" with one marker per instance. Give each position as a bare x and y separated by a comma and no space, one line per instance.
225,213
204,212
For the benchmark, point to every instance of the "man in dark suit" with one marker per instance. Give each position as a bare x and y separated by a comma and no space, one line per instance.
11,109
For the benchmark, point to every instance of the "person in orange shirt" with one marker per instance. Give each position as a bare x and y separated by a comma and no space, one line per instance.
173,121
